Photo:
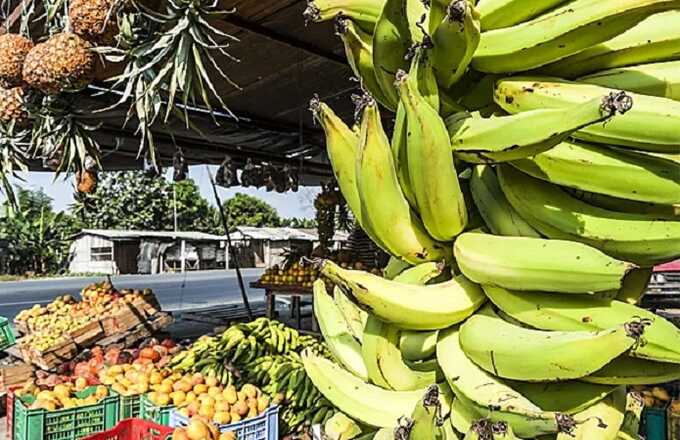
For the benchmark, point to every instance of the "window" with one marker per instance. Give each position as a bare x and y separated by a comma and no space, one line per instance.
101,254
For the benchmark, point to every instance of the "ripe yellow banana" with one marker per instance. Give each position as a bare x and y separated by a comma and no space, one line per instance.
568,397
499,216
524,263
499,139
556,214
366,403
364,12
617,173
388,217
354,316
659,79
336,332
455,42
654,39
626,370
601,421
433,176
409,307
496,14
651,125
550,311
562,32
514,352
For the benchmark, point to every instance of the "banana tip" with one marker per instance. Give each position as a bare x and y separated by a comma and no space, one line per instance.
312,13
455,11
617,102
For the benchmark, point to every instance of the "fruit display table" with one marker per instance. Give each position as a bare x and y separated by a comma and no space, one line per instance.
271,291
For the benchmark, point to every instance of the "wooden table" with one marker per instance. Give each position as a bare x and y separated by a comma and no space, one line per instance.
271,291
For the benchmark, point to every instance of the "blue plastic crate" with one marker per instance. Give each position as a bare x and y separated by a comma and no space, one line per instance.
654,424
264,427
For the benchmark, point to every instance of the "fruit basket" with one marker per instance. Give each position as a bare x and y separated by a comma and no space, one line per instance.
64,424
154,413
263,427
134,429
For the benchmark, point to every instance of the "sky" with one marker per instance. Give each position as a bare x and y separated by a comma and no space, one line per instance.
289,204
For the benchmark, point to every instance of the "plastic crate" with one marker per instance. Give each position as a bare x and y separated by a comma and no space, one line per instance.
653,425
130,406
7,338
65,424
10,411
153,413
134,429
264,427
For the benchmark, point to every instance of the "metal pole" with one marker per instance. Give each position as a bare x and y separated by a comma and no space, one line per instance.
225,225
174,204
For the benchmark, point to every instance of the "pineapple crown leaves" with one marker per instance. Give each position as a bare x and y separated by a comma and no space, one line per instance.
14,146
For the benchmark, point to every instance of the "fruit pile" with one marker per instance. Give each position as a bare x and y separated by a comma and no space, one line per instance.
200,428
296,274
535,152
62,396
654,397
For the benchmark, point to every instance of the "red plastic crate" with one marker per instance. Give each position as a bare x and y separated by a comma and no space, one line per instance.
134,429
10,412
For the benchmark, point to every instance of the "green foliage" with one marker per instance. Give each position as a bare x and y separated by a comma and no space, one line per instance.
302,223
194,213
245,210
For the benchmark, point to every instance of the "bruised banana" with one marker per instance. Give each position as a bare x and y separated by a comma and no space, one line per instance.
431,169
359,52
386,213
336,333
654,39
556,214
496,14
524,263
363,402
499,216
650,125
659,79
626,370
560,33
364,12
499,139
601,421
354,316
550,311
410,307
514,352
455,42
618,173
653,211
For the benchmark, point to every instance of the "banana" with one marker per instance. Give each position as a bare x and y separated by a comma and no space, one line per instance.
650,125
525,263
410,307
547,311
418,346
433,176
463,414
373,341
364,12
394,267
618,173
513,352
653,39
502,431
496,14
359,51
336,333
354,316
455,41
653,211
601,421
421,274
426,421
560,33
499,139
630,427
567,397
387,213
659,79
634,286
499,216
480,430
626,370
556,214
363,402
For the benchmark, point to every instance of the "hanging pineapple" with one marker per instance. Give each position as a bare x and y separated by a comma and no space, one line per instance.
13,51
12,108
94,20
63,63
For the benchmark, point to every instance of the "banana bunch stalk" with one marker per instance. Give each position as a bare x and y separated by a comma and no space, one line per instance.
527,188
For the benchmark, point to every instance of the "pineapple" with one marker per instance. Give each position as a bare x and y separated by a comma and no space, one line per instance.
86,181
63,63
94,20
12,109
13,51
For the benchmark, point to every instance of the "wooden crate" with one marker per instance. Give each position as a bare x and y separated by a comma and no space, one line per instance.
88,334
139,332
21,327
13,375
54,356
119,322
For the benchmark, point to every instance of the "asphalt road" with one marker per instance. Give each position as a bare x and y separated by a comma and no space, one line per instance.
175,291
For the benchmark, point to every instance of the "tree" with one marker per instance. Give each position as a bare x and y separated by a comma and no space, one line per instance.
245,210
194,213
301,223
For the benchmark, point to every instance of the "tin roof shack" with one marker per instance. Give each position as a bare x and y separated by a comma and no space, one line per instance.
131,252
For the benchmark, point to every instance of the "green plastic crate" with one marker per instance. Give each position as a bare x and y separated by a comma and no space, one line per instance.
65,424
7,338
130,406
157,414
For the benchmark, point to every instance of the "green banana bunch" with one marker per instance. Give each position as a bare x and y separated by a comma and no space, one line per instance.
364,12
600,421
514,352
562,32
650,125
556,214
499,139
496,14
433,176
651,40
454,42
659,79
524,263
410,307
617,173
388,217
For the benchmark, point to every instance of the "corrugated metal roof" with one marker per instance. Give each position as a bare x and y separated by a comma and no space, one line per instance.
275,234
122,235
